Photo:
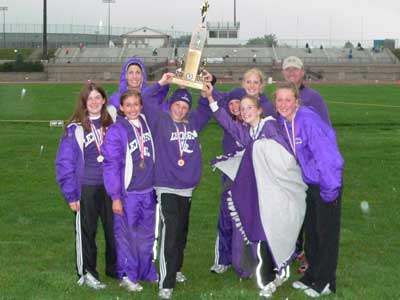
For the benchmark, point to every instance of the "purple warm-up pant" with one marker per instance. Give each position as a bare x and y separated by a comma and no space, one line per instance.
230,245
223,244
135,236
244,257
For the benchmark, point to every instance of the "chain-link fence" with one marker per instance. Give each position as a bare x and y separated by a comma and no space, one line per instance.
66,35
70,35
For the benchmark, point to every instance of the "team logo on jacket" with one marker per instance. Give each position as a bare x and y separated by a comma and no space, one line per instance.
298,141
134,145
89,138
183,138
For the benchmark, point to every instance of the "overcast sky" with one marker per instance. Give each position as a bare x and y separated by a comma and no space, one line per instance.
288,19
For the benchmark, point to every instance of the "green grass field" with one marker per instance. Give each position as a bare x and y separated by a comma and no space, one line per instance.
11,54
36,227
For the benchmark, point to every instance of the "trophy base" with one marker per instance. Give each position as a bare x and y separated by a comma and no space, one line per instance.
188,83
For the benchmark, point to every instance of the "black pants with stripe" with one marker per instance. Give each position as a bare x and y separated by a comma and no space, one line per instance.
267,272
94,203
322,230
175,212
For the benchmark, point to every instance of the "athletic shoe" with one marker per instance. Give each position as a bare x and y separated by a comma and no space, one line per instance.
180,277
278,281
165,293
268,290
284,276
298,285
303,266
219,269
93,282
129,285
314,294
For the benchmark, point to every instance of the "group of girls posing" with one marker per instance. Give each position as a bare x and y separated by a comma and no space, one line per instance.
311,141
151,156
113,170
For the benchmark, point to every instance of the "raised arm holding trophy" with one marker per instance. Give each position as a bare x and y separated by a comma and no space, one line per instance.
192,74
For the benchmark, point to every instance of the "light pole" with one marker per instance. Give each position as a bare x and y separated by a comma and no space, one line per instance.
234,13
45,54
109,23
4,8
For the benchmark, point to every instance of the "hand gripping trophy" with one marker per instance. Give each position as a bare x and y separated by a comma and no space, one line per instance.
192,74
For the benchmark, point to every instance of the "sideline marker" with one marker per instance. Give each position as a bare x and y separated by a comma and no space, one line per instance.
56,123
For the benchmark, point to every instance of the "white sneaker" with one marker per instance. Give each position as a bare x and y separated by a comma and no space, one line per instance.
165,293
129,285
280,280
268,290
93,282
180,277
314,294
298,285
219,269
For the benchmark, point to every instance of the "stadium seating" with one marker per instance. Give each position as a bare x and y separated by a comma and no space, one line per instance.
228,63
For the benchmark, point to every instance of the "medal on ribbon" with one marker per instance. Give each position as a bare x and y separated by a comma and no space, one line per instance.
98,135
140,138
181,143
141,164
292,139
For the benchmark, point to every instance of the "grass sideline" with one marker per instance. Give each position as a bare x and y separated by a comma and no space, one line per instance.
36,227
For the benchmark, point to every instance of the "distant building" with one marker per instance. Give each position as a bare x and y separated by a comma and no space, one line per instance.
145,37
386,43
223,33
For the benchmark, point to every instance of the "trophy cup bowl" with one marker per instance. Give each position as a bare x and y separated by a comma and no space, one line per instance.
190,76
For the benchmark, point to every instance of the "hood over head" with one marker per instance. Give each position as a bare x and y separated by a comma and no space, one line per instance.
123,84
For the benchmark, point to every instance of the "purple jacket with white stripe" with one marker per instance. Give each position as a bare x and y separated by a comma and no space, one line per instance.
121,170
317,151
70,163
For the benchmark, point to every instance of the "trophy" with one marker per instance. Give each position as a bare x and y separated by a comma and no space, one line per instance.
192,73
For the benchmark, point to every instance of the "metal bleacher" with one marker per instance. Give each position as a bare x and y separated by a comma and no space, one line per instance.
228,63
227,55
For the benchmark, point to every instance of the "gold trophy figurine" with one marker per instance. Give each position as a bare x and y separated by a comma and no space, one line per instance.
204,9
190,75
